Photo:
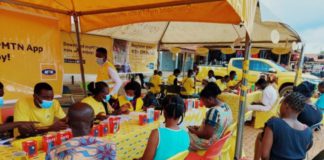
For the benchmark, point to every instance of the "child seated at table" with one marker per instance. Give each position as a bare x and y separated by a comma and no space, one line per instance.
132,101
218,118
285,137
80,118
166,142
100,95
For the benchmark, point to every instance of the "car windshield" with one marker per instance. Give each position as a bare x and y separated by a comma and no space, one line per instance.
280,68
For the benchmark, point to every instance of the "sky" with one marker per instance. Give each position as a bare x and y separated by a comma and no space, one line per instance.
304,16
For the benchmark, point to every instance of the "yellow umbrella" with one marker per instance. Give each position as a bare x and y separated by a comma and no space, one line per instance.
280,50
175,50
227,50
254,51
202,51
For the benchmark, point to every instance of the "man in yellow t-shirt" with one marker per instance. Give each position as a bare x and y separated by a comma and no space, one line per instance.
172,79
233,82
107,71
222,83
188,85
41,108
156,80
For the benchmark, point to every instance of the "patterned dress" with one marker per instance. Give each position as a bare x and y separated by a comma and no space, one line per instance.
219,117
84,148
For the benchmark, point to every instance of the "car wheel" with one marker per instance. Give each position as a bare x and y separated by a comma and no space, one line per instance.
286,90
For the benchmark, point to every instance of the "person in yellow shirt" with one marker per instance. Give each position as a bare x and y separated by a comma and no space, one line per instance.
222,83
156,80
132,101
9,126
100,95
233,82
188,85
107,71
41,108
172,79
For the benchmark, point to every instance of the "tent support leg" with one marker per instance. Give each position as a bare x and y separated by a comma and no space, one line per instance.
300,65
243,94
77,32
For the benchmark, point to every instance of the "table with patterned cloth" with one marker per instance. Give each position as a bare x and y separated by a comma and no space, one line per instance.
130,140
233,100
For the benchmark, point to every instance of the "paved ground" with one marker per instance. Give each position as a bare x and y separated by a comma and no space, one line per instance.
250,134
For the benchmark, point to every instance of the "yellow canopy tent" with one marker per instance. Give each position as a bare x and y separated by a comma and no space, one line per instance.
97,14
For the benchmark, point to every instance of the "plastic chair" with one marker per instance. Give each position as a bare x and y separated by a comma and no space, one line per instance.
213,151
261,117
180,156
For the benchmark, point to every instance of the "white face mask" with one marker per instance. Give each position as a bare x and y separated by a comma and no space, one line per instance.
100,61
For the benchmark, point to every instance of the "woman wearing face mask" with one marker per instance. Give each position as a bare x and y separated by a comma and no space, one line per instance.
107,71
132,101
100,93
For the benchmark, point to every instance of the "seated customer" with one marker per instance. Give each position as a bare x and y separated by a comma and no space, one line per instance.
156,80
10,126
172,79
171,140
222,83
80,118
320,102
311,114
285,138
100,95
269,96
42,108
218,118
188,86
233,82
211,76
132,101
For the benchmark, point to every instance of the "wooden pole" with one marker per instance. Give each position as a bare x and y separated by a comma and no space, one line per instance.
300,65
77,32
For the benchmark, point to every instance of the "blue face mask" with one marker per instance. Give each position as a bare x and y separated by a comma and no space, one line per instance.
1,101
108,96
235,78
129,98
46,104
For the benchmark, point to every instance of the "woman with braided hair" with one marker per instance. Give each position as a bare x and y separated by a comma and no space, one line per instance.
285,138
170,140
218,118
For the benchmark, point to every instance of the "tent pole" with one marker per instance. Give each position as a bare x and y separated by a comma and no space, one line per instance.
77,32
240,125
159,58
300,65
160,43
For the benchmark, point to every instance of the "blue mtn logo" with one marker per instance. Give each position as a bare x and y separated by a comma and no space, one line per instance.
48,71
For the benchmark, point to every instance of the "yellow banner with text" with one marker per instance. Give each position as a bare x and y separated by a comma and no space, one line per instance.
89,44
29,53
